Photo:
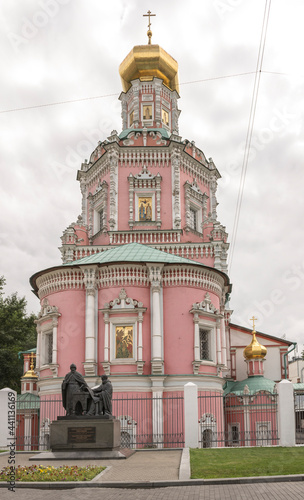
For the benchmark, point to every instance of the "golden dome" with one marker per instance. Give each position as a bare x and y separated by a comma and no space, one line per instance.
254,350
148,61
30,373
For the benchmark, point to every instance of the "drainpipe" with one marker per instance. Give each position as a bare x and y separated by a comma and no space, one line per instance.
292,348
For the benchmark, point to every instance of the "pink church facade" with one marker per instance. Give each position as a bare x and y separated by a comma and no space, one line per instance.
142,291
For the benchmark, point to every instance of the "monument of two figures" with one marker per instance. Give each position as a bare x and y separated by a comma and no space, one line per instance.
88,428
79,399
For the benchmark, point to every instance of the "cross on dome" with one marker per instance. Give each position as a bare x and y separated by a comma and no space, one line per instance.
149,32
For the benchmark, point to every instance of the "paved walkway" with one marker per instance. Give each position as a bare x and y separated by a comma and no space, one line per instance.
147,475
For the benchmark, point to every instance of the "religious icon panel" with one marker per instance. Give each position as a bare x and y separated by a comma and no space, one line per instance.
145,208
124,342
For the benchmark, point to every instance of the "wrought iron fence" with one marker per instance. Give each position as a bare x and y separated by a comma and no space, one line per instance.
147,421
299,415
237,420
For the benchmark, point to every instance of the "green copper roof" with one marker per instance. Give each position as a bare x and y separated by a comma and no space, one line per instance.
28,401
132,252
255,384
127,131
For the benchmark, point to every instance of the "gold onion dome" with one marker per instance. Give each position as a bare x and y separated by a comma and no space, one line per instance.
254,350
30,373
146,62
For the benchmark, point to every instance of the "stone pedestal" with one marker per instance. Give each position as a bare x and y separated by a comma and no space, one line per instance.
85,434
82,438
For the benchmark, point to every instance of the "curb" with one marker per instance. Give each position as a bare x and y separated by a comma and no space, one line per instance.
156,484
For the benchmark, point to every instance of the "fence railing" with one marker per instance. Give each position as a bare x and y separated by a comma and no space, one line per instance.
149,421
299,416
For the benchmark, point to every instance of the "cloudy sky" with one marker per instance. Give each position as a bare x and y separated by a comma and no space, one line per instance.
53,51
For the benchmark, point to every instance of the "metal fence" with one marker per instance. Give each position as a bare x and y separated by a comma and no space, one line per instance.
238,420
299,416
149,421
146,421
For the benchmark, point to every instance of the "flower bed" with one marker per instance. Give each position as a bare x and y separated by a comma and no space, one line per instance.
49,473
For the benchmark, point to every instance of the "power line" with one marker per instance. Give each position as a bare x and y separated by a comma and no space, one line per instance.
250,129
115,94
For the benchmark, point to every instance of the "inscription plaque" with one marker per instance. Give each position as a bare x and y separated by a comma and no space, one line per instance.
81,435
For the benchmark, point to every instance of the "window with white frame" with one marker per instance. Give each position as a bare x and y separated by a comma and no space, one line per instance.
145,198
204,343
193,218
131,118
234,434
47,348
165,117
147,114
195,206
263,433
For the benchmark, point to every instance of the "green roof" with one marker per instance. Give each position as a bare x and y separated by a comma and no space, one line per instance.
299,387
132,252
255,384
28,401
127,131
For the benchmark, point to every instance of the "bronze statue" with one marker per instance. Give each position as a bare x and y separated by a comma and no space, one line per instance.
72,383
102,398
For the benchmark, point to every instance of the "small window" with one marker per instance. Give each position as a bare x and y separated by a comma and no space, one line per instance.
147,112
100,215
235,435
193,219
48,348
165,117
204,344
131,118
124,342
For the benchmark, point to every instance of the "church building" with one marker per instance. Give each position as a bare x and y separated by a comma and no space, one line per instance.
142,291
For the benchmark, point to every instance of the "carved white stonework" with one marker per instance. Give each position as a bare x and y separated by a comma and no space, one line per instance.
148,157
83,189
213,200
206,305
112,276
155,92
194,195
113,190
138,184
193,276
47,323
176,189
99,201
121,310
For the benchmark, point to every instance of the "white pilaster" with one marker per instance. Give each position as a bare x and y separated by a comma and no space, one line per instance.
90,282
286,417
218,344
191,415
54,354
155,276
224,343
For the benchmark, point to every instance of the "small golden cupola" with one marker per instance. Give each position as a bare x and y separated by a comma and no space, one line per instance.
145,62
254,350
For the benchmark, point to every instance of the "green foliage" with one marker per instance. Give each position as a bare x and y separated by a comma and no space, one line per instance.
17,333
245,462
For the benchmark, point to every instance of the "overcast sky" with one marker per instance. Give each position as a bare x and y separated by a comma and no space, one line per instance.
60,50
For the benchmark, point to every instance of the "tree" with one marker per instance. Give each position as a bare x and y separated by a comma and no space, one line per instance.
17,333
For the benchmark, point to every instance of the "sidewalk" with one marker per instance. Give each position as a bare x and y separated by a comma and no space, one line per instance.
143,469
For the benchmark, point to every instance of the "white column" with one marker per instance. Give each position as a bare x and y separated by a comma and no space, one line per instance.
140,340
106,337
38,349
224,344
156,335
90,282
157,418
27,430
157,340
54,354
218,344
191,415
286,415
90,327
196,338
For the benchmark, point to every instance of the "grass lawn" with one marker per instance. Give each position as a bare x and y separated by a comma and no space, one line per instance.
39,473
245,462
